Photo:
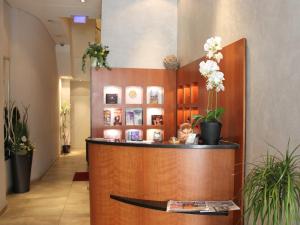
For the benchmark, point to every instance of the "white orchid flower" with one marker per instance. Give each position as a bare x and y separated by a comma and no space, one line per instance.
208,67
209,86
213,45
220,87
218,77
218,57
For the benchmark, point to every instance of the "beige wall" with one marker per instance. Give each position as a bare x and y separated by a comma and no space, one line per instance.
63,60
81,35
34,82
80,113
139,33
3,52
272,30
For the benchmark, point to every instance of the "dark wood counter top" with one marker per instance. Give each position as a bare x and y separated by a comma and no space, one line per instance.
222,145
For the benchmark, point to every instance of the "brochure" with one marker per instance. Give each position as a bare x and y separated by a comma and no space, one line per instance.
201,206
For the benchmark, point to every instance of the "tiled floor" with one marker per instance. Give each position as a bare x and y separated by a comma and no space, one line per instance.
55,199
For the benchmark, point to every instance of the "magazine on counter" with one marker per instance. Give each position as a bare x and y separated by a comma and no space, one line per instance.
201,206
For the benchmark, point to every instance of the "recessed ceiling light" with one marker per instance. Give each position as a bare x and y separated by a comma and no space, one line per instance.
82,1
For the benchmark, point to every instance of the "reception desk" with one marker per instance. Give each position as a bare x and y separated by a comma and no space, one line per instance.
158,172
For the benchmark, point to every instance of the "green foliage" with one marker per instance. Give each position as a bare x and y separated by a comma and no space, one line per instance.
211,116
97,51
16,134
272,190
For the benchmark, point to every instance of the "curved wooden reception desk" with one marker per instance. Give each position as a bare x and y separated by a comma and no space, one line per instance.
158,172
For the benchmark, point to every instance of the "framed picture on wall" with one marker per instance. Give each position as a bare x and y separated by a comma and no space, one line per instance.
134,95
112,95
155,95
111,98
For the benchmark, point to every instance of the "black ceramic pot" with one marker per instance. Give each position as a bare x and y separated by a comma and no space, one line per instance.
21,170
66,149
210,132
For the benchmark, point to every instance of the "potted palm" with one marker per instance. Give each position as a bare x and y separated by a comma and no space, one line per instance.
64,114
19,146
210,124
98,56
272,189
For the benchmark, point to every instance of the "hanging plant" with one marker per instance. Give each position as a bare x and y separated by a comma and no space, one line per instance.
98,56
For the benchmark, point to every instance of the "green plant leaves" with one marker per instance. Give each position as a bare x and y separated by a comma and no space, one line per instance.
272,190
97,51
211,116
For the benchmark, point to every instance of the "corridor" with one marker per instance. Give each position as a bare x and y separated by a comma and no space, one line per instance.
55,199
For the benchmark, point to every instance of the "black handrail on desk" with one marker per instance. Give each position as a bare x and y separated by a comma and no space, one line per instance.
159,205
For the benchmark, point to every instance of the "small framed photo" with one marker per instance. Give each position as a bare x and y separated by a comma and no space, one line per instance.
191,139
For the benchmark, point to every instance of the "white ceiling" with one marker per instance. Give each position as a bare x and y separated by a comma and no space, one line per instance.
52,12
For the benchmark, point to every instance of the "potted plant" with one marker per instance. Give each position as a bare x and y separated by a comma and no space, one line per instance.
272,189
19,146
98,56
210,124
64,114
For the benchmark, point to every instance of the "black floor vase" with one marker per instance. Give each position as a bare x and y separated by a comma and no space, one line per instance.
21,170
210,132
66,149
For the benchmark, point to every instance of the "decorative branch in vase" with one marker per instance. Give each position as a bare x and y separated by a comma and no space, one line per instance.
18,145
64,114
210,124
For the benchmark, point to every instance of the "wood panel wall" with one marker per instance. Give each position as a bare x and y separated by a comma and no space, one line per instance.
232,100
124,77
157,174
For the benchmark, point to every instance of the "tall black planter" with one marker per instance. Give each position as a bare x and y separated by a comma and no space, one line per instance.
21,170
210,132
66,149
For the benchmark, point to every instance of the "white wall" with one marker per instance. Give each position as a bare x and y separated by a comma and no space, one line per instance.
272,30
80,113
34,82
139,33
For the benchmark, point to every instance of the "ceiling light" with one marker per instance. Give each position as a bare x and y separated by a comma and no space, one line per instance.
79,19
82,1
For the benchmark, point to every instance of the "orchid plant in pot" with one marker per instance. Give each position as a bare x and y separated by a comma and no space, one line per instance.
210,124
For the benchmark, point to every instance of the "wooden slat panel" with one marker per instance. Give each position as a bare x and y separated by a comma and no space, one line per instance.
158,174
